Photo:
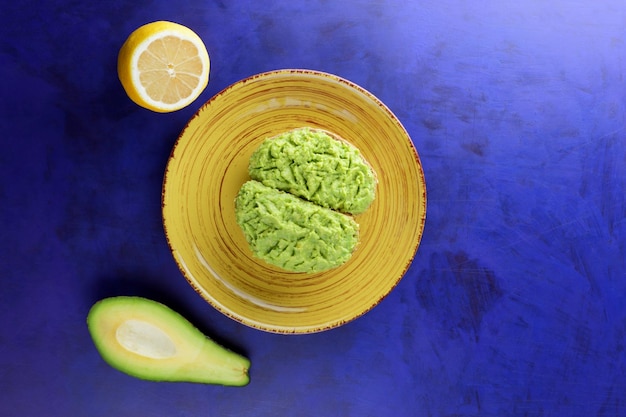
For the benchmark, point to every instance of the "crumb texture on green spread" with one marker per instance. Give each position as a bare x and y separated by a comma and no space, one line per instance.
292,233
313,165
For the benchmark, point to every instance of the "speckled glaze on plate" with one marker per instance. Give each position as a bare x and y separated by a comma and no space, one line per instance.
208,165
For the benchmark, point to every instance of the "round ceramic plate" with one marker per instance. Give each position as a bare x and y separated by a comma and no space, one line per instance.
209,163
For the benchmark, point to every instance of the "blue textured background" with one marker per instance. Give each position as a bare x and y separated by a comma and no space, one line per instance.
515,303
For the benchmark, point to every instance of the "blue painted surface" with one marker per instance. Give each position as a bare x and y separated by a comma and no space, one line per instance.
515,303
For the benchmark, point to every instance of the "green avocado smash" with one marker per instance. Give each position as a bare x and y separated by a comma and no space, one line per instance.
291,233
296,211
317,167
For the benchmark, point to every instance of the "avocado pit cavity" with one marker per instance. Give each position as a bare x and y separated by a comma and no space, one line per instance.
145,339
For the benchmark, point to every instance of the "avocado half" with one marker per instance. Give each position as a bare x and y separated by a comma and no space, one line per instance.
148,340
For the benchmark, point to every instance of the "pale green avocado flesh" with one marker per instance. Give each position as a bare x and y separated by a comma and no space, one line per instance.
291,233
148,340
314,165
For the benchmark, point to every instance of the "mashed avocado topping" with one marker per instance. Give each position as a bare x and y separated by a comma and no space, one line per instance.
313,165
292,233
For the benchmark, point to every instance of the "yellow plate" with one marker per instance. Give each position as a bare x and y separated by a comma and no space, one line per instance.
209,163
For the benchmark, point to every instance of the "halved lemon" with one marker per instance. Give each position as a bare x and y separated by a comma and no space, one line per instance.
163,66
